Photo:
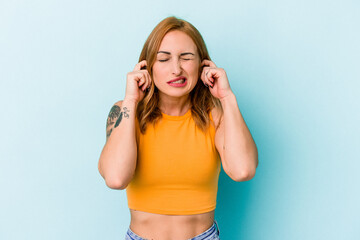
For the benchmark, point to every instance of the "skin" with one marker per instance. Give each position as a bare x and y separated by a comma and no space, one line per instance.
233,140
173,101
183,60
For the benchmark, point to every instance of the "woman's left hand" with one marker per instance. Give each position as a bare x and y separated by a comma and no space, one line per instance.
216,79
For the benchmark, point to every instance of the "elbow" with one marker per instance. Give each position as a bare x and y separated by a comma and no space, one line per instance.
248,175
242,172
115,184
243,176
112,182
245,166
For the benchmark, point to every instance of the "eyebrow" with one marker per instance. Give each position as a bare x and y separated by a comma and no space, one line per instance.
182,54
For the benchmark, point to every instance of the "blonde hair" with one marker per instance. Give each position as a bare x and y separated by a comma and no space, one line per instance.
201,99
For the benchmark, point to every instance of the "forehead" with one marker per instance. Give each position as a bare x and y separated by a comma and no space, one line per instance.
177,41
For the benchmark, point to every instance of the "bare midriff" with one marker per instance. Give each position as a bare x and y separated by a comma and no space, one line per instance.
174,227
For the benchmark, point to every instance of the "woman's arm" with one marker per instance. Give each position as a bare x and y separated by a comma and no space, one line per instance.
234,142
117,161
118,158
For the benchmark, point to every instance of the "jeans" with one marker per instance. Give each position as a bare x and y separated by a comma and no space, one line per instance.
211,234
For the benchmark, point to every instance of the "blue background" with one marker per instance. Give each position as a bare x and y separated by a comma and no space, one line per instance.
293,65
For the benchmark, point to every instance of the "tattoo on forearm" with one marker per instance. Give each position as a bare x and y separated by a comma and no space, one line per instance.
119,120
124,113
108,133
115,115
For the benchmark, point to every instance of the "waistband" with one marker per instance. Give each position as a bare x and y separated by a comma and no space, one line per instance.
208,234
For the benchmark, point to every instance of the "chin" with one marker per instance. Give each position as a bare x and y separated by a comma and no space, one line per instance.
177,93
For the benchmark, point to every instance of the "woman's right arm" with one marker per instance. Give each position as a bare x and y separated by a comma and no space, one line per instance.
117,161
118,158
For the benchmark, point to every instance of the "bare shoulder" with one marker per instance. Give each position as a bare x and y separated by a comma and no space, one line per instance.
216,113
112,117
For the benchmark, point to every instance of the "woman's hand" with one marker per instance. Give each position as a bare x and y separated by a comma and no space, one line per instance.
137,82
215,78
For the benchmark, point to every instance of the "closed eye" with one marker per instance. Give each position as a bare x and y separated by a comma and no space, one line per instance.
164,60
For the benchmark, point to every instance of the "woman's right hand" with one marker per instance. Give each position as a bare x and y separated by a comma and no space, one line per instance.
137,82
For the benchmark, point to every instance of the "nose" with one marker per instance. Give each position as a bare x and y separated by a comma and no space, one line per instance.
177,69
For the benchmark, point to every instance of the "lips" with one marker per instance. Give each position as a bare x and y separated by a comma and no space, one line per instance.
176,79
178,82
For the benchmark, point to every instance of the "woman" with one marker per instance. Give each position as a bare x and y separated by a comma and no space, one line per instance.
165,138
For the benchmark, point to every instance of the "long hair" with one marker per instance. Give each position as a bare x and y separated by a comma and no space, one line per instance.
201,99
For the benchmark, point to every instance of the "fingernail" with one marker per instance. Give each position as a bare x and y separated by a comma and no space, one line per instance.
211,86
206,85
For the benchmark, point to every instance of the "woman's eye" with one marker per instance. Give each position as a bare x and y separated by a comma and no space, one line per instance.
164,60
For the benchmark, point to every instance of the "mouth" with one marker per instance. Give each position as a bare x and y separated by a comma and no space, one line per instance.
178,82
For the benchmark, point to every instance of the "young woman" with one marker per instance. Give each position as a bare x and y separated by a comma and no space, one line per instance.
166,141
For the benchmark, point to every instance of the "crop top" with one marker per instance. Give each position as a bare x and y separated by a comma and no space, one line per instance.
177,168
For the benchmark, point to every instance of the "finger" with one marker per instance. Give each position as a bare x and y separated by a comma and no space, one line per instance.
139,65
142,80
207,79
208,63
205,69
148,81
207,74
204,78
210,76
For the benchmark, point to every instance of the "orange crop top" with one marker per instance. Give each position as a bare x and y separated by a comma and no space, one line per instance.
177,168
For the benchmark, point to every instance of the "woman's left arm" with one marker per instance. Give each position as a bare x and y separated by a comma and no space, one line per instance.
233,139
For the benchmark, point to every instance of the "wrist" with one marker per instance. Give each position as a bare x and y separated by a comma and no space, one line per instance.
228,98
130,102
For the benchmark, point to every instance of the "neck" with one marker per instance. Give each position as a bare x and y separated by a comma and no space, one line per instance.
174,106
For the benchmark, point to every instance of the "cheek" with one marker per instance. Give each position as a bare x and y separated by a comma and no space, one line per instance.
158,73
192,69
